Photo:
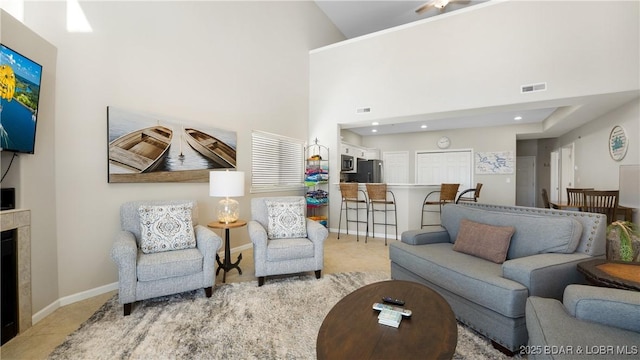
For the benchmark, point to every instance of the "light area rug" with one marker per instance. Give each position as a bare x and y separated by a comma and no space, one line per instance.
279,320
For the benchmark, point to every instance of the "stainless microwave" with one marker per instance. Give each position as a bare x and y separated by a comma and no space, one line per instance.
346,163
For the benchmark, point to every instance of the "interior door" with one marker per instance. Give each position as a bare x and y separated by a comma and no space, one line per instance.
554,181
526,181
566,171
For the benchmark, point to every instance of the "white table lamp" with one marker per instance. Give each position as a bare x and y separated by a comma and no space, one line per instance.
227,184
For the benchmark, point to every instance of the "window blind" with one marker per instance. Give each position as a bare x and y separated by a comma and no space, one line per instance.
277,162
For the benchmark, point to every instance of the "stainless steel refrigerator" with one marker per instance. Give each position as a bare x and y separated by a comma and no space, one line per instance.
369,171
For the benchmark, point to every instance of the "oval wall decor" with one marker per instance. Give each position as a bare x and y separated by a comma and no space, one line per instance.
618,143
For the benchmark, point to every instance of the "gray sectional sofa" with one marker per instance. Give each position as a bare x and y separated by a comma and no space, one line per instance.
591,323
490,297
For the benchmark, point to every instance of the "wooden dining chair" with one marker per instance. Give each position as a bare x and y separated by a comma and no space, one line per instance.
574,196
601,201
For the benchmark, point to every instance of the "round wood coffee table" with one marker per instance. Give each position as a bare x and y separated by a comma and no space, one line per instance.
351,329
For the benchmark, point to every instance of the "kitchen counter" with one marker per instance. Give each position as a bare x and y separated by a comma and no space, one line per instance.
409,198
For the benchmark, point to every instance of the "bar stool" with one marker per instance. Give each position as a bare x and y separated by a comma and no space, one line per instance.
378,196
447,195
474,198
351,200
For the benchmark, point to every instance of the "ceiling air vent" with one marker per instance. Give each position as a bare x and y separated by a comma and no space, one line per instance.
533,88
363,110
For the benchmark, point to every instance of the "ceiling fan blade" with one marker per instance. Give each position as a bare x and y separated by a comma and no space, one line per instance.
424,8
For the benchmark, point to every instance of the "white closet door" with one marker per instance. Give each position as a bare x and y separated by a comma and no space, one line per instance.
437,167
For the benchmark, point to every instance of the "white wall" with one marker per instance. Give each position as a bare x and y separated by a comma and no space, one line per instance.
591,147
236,65
478,59
475,62
33,176
496,188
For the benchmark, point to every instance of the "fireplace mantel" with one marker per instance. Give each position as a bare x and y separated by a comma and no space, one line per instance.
20,219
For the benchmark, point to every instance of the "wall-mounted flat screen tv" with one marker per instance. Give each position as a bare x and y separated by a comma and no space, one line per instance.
19,95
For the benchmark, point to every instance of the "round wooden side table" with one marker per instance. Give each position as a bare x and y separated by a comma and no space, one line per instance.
226,264
613,274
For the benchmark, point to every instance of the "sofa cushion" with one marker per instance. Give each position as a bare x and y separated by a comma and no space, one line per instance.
286,219
168,264
166,227
475,279
484,241
289,249
534,234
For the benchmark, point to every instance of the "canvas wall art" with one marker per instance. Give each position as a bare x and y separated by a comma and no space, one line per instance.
151,148
494,162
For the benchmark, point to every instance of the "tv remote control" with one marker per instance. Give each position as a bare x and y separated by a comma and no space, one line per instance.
393,301
403,311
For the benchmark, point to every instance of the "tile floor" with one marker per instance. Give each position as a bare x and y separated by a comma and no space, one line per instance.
341,255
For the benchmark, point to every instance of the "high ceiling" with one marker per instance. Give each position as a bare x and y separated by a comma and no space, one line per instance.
362,17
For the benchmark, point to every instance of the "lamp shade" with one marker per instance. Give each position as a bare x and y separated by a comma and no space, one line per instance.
226,183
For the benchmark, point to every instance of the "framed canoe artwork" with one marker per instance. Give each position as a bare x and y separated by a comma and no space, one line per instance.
150,148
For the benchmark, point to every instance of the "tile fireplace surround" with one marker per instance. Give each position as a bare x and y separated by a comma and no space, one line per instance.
21,219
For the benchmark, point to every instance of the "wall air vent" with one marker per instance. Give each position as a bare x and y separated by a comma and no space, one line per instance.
363,110
533,88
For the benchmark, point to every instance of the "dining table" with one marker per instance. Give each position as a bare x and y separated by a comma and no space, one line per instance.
625,211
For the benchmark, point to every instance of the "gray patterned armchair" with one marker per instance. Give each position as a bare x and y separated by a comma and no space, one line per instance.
146,269
285,241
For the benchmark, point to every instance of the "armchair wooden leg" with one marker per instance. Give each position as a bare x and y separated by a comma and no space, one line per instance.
261,280
318,274
208,291
127,309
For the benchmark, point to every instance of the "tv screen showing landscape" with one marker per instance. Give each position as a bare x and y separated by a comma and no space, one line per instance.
19,95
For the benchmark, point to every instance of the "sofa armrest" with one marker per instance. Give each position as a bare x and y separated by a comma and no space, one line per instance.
545,275
124,253
425,236
612,307
208,242
316,232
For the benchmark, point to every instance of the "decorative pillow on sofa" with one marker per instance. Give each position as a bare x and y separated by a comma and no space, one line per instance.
286,219
485,241
166,227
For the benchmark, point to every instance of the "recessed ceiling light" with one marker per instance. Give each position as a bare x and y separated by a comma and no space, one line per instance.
423,126
374,130
375,123
517,118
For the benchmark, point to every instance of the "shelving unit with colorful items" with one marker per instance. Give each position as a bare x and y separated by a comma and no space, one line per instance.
317,182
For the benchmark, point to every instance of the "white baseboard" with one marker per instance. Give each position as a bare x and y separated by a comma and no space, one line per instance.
236,249
88,294
49,309
390,236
